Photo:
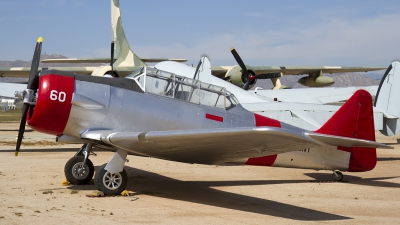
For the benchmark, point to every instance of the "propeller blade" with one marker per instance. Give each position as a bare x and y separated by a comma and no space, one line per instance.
239,61
112,56
244,69
35,64
21,128
33,75
246,85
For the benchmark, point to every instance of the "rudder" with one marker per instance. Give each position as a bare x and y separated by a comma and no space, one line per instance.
123,53
355,120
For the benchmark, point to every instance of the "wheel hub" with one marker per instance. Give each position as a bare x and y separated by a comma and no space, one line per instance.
80,171
112,181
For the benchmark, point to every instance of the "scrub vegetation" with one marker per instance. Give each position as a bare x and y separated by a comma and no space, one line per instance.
10,116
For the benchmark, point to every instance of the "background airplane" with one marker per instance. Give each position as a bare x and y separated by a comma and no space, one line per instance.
126,61
306,115
160,114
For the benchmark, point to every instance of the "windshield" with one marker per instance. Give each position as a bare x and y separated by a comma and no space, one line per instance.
135,73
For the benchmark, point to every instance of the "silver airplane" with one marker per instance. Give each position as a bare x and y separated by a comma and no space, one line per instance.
160,114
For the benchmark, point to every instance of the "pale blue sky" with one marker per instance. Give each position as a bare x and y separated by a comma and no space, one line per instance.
314,33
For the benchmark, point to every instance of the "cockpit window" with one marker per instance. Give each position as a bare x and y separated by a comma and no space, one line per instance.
170,85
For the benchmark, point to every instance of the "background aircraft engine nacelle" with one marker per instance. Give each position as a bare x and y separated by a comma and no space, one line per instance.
105,70
316,81
237,78
53,104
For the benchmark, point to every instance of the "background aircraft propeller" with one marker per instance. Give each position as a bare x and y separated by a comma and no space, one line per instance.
112,56
249,74
28,95
244,69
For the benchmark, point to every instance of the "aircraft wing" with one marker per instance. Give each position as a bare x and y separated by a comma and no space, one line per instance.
220,146
106,60
24,71
206,146
220,71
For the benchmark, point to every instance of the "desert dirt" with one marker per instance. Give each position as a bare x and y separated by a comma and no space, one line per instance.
166,192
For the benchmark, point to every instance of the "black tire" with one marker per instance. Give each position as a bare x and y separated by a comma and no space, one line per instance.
72,173
338,176
108,186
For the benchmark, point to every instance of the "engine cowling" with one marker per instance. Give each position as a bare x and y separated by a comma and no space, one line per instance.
53,105
236,77
316,81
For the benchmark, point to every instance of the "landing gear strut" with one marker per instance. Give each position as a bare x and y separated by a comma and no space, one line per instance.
337,176
79,169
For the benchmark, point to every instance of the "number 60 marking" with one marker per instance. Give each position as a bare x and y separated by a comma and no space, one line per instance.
55,95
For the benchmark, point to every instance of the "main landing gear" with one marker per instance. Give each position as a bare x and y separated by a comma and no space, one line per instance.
337,176
111,178
79,169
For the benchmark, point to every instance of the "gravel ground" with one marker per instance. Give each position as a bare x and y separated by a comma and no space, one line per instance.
177,193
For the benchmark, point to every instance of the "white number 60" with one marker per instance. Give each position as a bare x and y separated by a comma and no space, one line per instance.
55,95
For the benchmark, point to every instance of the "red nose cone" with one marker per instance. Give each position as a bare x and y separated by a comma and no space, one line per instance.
252,77
53,104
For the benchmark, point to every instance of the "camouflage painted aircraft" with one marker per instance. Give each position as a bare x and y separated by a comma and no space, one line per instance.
127,61
154,113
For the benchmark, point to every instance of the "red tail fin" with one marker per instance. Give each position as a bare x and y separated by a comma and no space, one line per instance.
355,119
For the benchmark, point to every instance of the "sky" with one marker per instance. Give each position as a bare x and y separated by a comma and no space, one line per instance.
269,33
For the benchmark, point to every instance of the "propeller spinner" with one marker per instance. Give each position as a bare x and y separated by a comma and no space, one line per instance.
29,93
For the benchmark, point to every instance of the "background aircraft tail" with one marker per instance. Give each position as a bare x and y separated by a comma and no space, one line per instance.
123,54
355,120
387,99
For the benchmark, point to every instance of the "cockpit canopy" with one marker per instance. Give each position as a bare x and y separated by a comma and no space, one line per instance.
170,85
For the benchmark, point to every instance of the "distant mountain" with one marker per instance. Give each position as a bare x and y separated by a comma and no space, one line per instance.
20,63
375,76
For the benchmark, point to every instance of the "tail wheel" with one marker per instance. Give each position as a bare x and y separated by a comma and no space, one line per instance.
110,183
78,173
337,176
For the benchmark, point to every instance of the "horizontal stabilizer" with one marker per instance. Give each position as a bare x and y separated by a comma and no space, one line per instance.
345,141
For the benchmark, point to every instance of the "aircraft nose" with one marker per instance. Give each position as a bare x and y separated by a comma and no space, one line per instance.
53,104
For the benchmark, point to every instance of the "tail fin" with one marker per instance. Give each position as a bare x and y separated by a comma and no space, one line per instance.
387,99
123,53
355,120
